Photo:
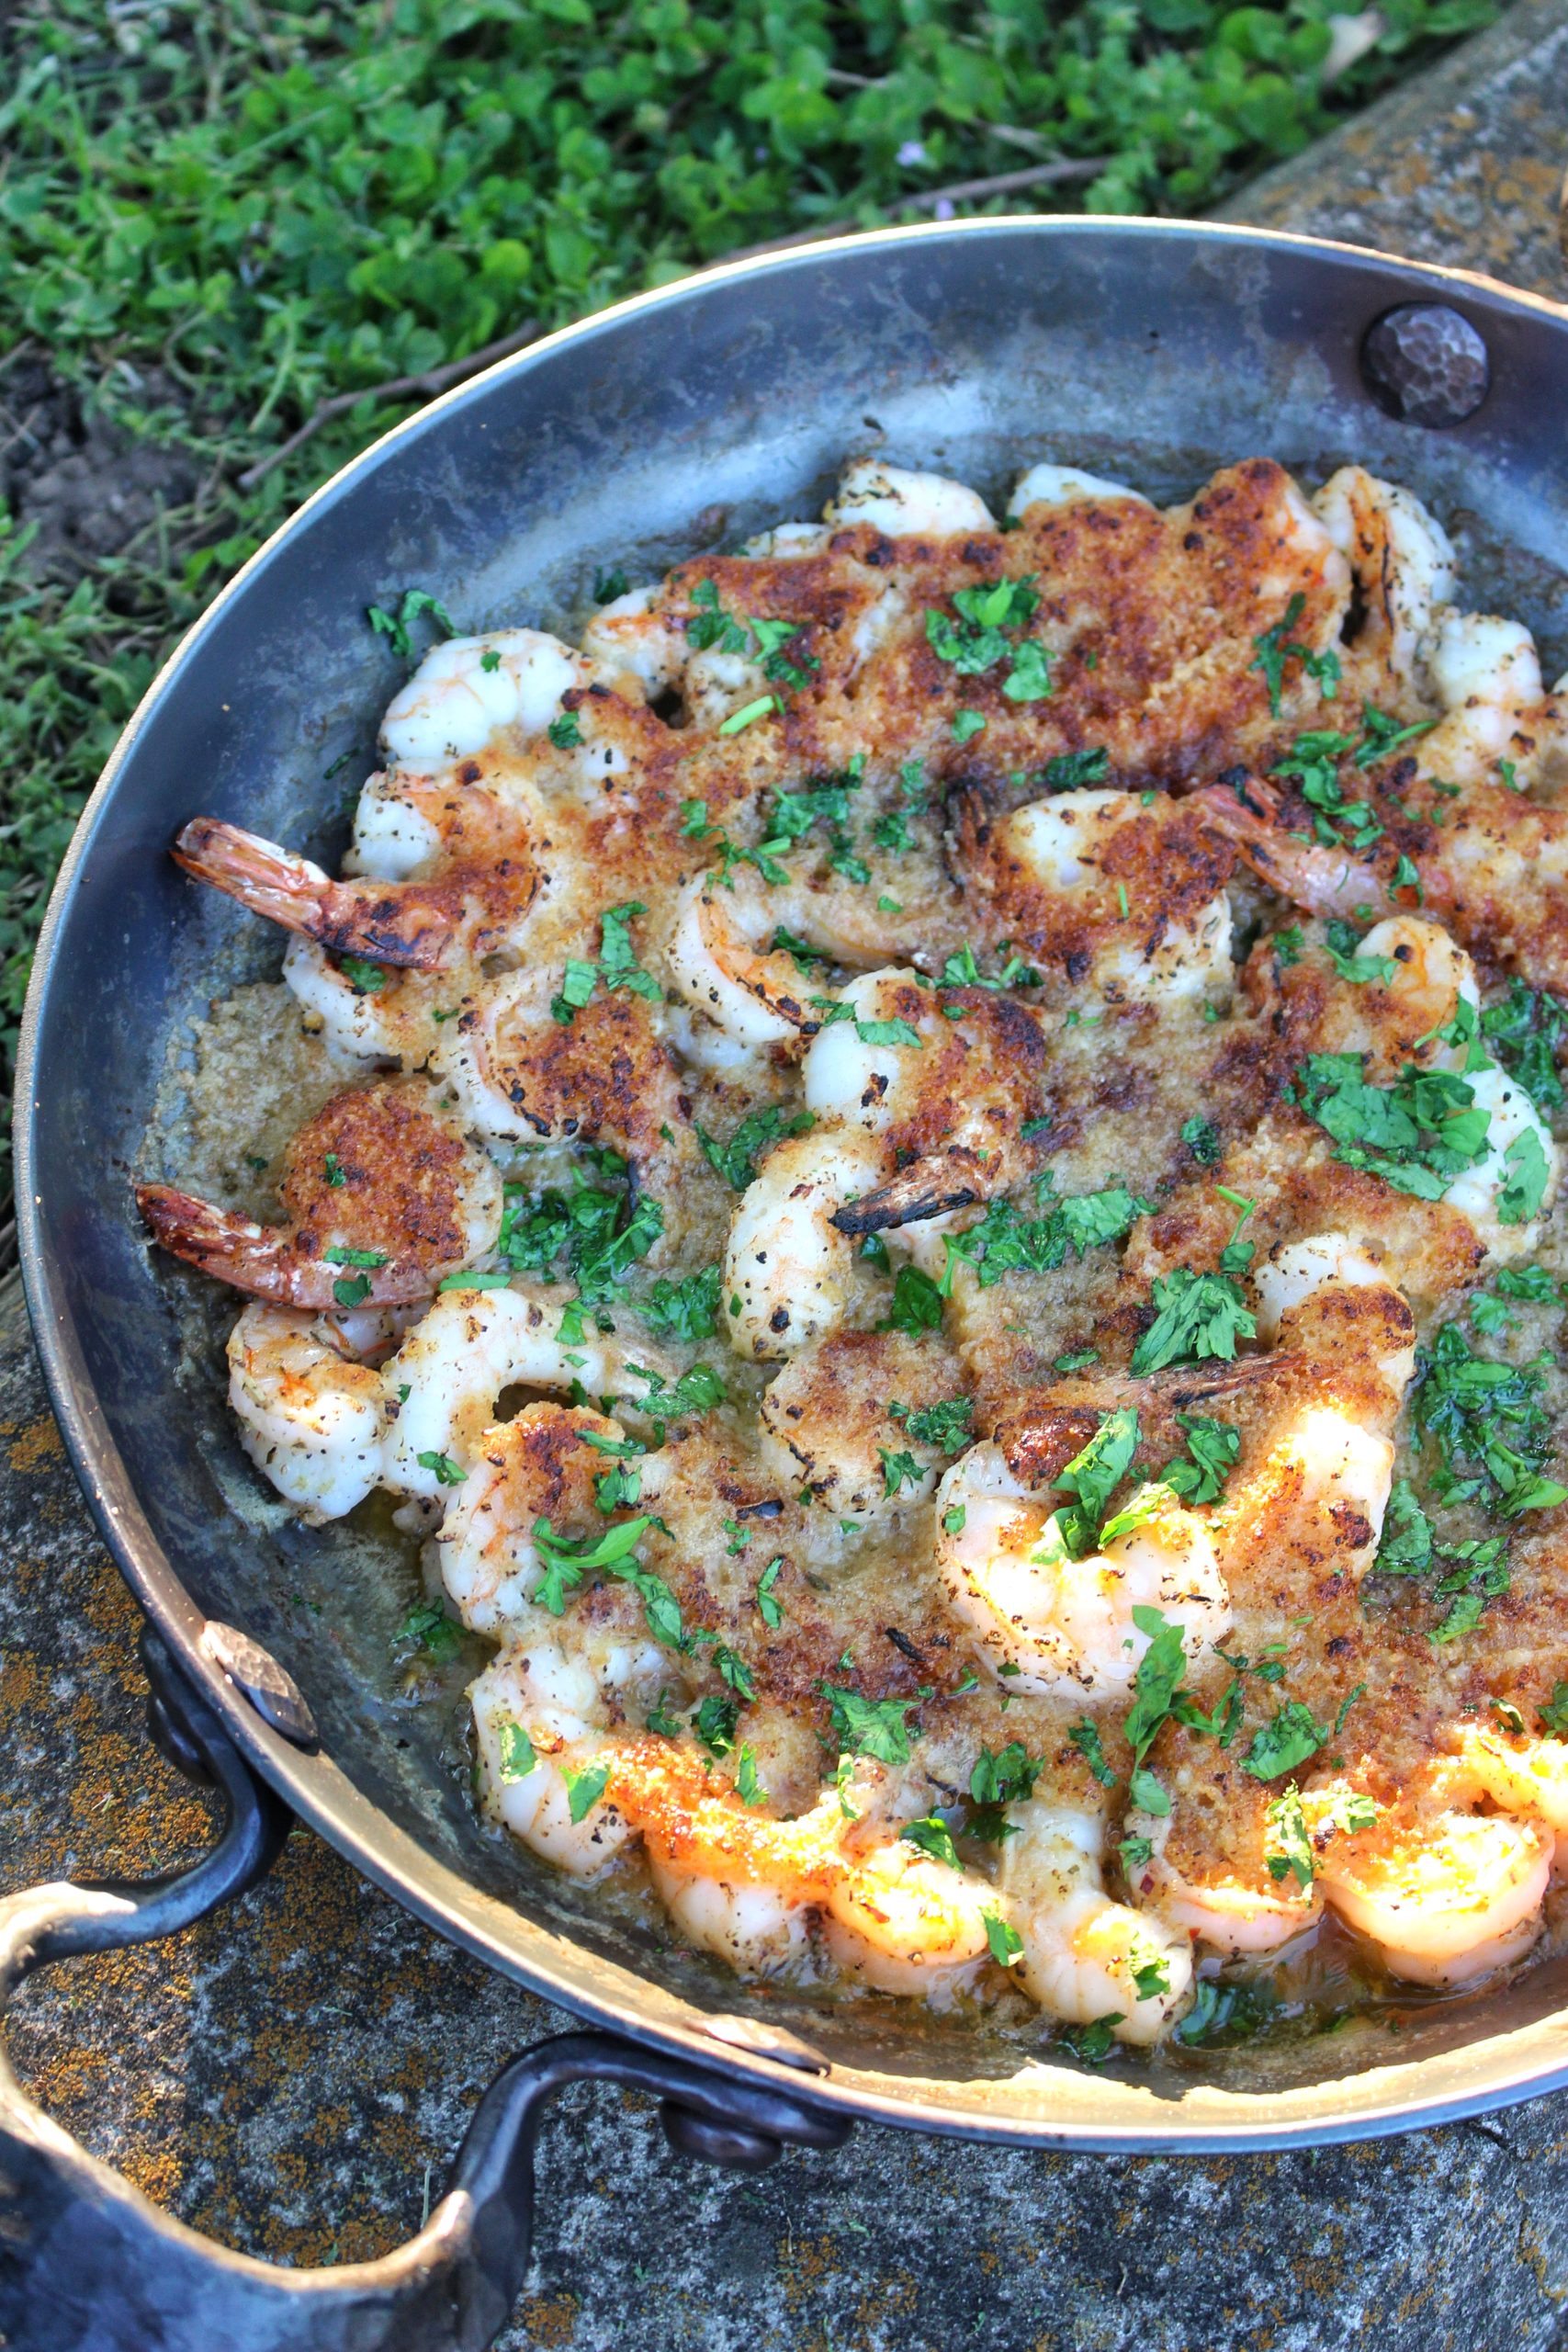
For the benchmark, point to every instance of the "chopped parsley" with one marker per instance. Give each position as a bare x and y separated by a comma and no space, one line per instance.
748,1786
1554,1713
898,1471
445,1472
1202,1140
768,1607
1491,1428
333,1170
917,1303
616,967
394,626
1405,1549
824,801
962,970
584,1789
1005,1944
1525,1032
1417,1135
687,1309
715,1722
430,1630
975,642
696,1391
736,1161
565,732
869,1726
1340,944
363,978
598,1233
967,724
1289,1847
1092,1478
1154,1688
1291,1737
608,585
517,1756
1273,649
1004,1238
1095,2042
1071,771
948,1426
1085,1736
1198,1316
998,1779
1214,1448
932,1837
567,1561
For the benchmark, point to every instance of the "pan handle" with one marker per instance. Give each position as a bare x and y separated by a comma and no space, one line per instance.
88,2264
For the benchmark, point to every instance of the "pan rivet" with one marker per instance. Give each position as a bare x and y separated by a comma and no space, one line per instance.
1426,364
272,1692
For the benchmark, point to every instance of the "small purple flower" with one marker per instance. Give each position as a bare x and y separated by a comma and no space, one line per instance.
944,211
910,154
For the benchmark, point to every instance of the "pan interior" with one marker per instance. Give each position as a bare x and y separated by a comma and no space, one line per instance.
1152,354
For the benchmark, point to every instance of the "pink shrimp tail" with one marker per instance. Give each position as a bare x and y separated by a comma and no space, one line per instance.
270,881
385,922
231,1248
264,1261
1326,881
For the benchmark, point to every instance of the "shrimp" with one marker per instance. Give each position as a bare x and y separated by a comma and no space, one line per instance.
1323,1297
520,1073
835,1419
1123,892
476,897
946,1096
444,1380
750,995
543,1464
786,1262
905,1922
1239,1911
1517,1773
382,1198
906,505
760,1931
1402,562
1314,1159
1445,1895
312,1420
1051,1623
541,1722
1449,816
471,690
1051,485
1085,1957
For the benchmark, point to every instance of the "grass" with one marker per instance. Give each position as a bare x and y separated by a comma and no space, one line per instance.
216,213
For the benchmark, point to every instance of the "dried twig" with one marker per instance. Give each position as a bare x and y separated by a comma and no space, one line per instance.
440,380
425,387
931,199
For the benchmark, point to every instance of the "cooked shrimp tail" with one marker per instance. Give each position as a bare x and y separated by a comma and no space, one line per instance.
387,923
381,1196
1327,881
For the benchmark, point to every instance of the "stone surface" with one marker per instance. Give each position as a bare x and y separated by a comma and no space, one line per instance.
1464,166
293,2074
